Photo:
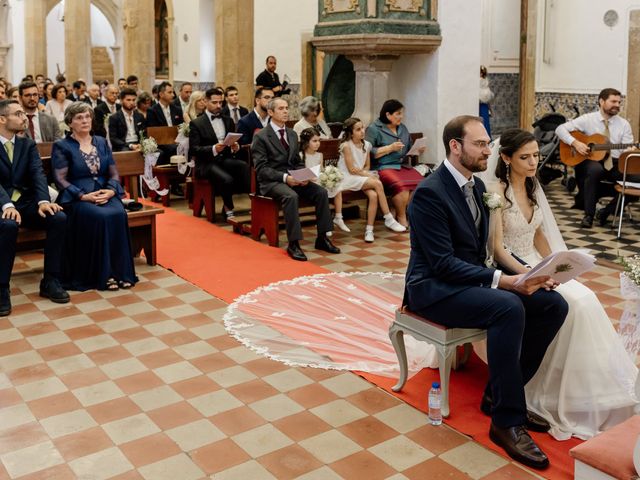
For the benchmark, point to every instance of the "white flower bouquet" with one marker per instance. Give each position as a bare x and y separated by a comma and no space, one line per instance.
148,145
631,267
330,177
183,130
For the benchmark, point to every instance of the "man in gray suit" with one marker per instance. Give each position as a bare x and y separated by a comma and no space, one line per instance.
41,127
275,152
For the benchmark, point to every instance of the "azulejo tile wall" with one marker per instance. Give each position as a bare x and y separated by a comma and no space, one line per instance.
505,105
568,104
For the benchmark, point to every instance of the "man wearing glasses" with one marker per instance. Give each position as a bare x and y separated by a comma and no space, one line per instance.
448,282
24,199
41,127
258,118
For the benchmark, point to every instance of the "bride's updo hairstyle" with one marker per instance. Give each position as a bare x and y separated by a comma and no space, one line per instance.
511,141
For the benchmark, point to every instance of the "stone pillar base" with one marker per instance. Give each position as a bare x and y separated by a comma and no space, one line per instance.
372,84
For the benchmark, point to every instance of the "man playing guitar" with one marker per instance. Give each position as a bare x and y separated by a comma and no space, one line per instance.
590,173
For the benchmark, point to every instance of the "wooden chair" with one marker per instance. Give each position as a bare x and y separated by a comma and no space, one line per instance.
444,339
44,148
330,150
290,123
628,164
163,135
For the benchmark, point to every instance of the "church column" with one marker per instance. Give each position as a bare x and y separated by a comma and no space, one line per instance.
528,19
234,46
372,84
77,40
139,42
35,36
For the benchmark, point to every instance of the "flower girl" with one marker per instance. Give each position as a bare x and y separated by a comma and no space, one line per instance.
354,163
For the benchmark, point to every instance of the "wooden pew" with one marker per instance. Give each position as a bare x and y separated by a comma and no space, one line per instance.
165,173
142,224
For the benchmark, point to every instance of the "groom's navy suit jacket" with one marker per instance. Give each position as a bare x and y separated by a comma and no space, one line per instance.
447,253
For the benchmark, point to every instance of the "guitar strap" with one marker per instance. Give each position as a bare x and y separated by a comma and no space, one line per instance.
608,162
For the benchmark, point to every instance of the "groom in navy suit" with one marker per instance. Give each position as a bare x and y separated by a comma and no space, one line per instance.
448,283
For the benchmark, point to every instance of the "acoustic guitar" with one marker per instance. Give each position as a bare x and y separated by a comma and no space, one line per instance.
598,144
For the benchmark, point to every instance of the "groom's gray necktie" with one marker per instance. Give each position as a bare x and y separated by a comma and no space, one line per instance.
467,189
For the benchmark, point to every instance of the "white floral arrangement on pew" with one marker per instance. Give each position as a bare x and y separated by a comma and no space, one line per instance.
330,177
148,144
151,152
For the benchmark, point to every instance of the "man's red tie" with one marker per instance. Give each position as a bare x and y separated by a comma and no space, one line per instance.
283,140
31,130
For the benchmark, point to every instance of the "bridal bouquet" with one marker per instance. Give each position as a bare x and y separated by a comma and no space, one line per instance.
330,177
631,267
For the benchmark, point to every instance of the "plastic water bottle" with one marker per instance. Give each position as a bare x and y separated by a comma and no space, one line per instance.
435,414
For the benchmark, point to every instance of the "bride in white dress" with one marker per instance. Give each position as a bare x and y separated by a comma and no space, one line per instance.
585,383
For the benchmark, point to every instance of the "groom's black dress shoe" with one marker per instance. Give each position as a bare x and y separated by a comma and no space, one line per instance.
5,301
535,422
323,243
587,221
517,442
296,252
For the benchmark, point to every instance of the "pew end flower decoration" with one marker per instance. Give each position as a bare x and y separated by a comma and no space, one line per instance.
492,200
330,177
148,144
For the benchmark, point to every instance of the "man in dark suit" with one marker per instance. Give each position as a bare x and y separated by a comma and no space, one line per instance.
257,118
448,283
93,96
269,78
78,93
275,152
233,108
184,95
214,160
126,124
102,111
24,199
41,127
165,112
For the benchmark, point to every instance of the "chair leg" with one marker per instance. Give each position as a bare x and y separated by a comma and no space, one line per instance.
621,215
445,358
616,211
397,340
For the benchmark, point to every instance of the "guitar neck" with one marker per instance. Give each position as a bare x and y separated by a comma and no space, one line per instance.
612,146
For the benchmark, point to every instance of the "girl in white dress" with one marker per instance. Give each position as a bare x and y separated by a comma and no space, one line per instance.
309,145
354,163
586,381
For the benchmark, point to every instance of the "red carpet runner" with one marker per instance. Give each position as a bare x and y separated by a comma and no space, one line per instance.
228,265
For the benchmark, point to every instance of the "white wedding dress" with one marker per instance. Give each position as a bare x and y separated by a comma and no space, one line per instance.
585,383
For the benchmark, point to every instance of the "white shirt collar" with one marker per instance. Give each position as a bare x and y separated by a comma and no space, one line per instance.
5,140
460,179
277,130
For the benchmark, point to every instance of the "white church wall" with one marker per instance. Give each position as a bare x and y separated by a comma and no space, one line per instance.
16,55
435,88
186,60
278,26
207,42
581,54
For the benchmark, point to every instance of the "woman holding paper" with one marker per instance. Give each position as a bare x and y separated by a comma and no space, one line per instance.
390,142
585,383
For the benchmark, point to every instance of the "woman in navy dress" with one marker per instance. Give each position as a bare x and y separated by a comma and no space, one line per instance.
98,250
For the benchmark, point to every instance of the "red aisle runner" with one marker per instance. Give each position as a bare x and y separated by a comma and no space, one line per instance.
465,392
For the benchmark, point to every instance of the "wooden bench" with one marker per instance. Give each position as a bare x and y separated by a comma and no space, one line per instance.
142,224
166,174
445,340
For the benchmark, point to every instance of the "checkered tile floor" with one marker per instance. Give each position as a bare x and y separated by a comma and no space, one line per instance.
145,384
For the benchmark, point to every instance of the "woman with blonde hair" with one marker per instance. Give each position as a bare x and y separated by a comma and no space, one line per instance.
197,105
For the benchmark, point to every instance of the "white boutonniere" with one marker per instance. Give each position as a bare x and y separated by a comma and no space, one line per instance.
492,201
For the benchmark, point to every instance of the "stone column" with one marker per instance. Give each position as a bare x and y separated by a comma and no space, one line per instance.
35,36
234,46
117,61
633,74
77,40
139,41
372,84
528,19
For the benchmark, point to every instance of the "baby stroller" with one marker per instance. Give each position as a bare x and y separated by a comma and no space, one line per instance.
550,167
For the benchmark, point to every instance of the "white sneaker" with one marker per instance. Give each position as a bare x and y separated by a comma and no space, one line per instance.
392,224
329,234
368,236
339,222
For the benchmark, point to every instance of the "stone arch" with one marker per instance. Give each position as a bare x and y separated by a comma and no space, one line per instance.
163,17
110,9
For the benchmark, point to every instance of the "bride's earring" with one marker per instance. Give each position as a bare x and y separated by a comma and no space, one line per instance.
508,171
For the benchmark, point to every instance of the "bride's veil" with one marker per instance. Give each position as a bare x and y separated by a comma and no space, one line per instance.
549,225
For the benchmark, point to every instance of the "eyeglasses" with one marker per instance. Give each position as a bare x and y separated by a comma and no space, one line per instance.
482,144
19,113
